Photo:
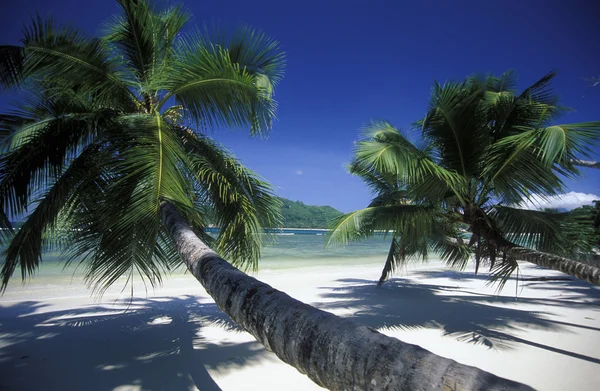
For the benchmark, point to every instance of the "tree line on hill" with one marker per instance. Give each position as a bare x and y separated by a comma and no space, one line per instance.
297,214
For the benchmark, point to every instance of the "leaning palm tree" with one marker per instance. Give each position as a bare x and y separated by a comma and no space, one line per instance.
106,130
486,149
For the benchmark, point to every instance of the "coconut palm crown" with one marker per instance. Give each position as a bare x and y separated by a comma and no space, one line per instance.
106,129
485,149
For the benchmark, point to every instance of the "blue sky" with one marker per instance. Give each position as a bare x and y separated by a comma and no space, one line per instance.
353,61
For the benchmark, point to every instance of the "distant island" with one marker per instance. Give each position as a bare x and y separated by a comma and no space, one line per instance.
296,214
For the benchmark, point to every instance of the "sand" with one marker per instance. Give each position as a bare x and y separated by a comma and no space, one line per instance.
56,337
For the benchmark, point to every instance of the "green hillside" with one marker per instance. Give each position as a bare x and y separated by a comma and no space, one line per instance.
298,215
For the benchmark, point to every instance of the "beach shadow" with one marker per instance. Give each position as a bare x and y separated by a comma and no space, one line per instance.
569,292
405,304
152,344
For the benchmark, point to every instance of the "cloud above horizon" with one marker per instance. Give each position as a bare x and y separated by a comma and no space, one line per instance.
570,200
299,172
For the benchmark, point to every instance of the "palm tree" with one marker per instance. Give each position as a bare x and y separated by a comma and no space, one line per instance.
104,156
485,150
335,353
108,129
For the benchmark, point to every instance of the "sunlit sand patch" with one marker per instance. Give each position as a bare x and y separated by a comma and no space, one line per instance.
47,335
161,320
110,367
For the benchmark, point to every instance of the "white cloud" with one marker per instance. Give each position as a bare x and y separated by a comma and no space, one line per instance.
299,172
570,200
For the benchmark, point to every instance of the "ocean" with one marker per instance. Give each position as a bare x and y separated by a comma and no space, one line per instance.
289,249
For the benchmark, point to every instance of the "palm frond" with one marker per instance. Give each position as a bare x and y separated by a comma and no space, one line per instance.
448,241
39,152
8,124
507,82
502,271
377,182
540,230
541,91
67,58
456,125
259,54
123,224
11,65
171,22
81,94
535,107
363,223
215,89
563,143
514,169
135,34
404,249
243,204
441,240
386,151
25,248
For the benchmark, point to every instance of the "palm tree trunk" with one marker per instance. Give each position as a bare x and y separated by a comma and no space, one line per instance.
333,352
389,263
477,254
571,267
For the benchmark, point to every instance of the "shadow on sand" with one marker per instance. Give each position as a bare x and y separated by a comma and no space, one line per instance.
154,344
488,319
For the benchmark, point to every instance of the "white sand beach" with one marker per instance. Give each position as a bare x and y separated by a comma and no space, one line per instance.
56,337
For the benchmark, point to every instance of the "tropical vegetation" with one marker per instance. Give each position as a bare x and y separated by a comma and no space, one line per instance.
106,157
296,214
106,130
588,216
484,148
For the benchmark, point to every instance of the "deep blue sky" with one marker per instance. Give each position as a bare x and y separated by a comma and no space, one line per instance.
352,61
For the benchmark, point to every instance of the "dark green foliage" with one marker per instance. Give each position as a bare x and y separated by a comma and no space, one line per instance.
295,214
103,136
587,219
486,148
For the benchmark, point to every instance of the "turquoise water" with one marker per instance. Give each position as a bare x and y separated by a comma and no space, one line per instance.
288,249
308,248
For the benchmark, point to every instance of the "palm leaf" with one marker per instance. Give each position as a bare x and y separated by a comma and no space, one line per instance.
25,249
216,90
514,170
363,223
135,34
126,232
243,204
67,57
530,228
83,93
386,151
41,149
11,64
456,125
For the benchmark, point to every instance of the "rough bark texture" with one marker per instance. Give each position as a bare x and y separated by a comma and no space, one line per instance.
585,163
333,352
583,271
